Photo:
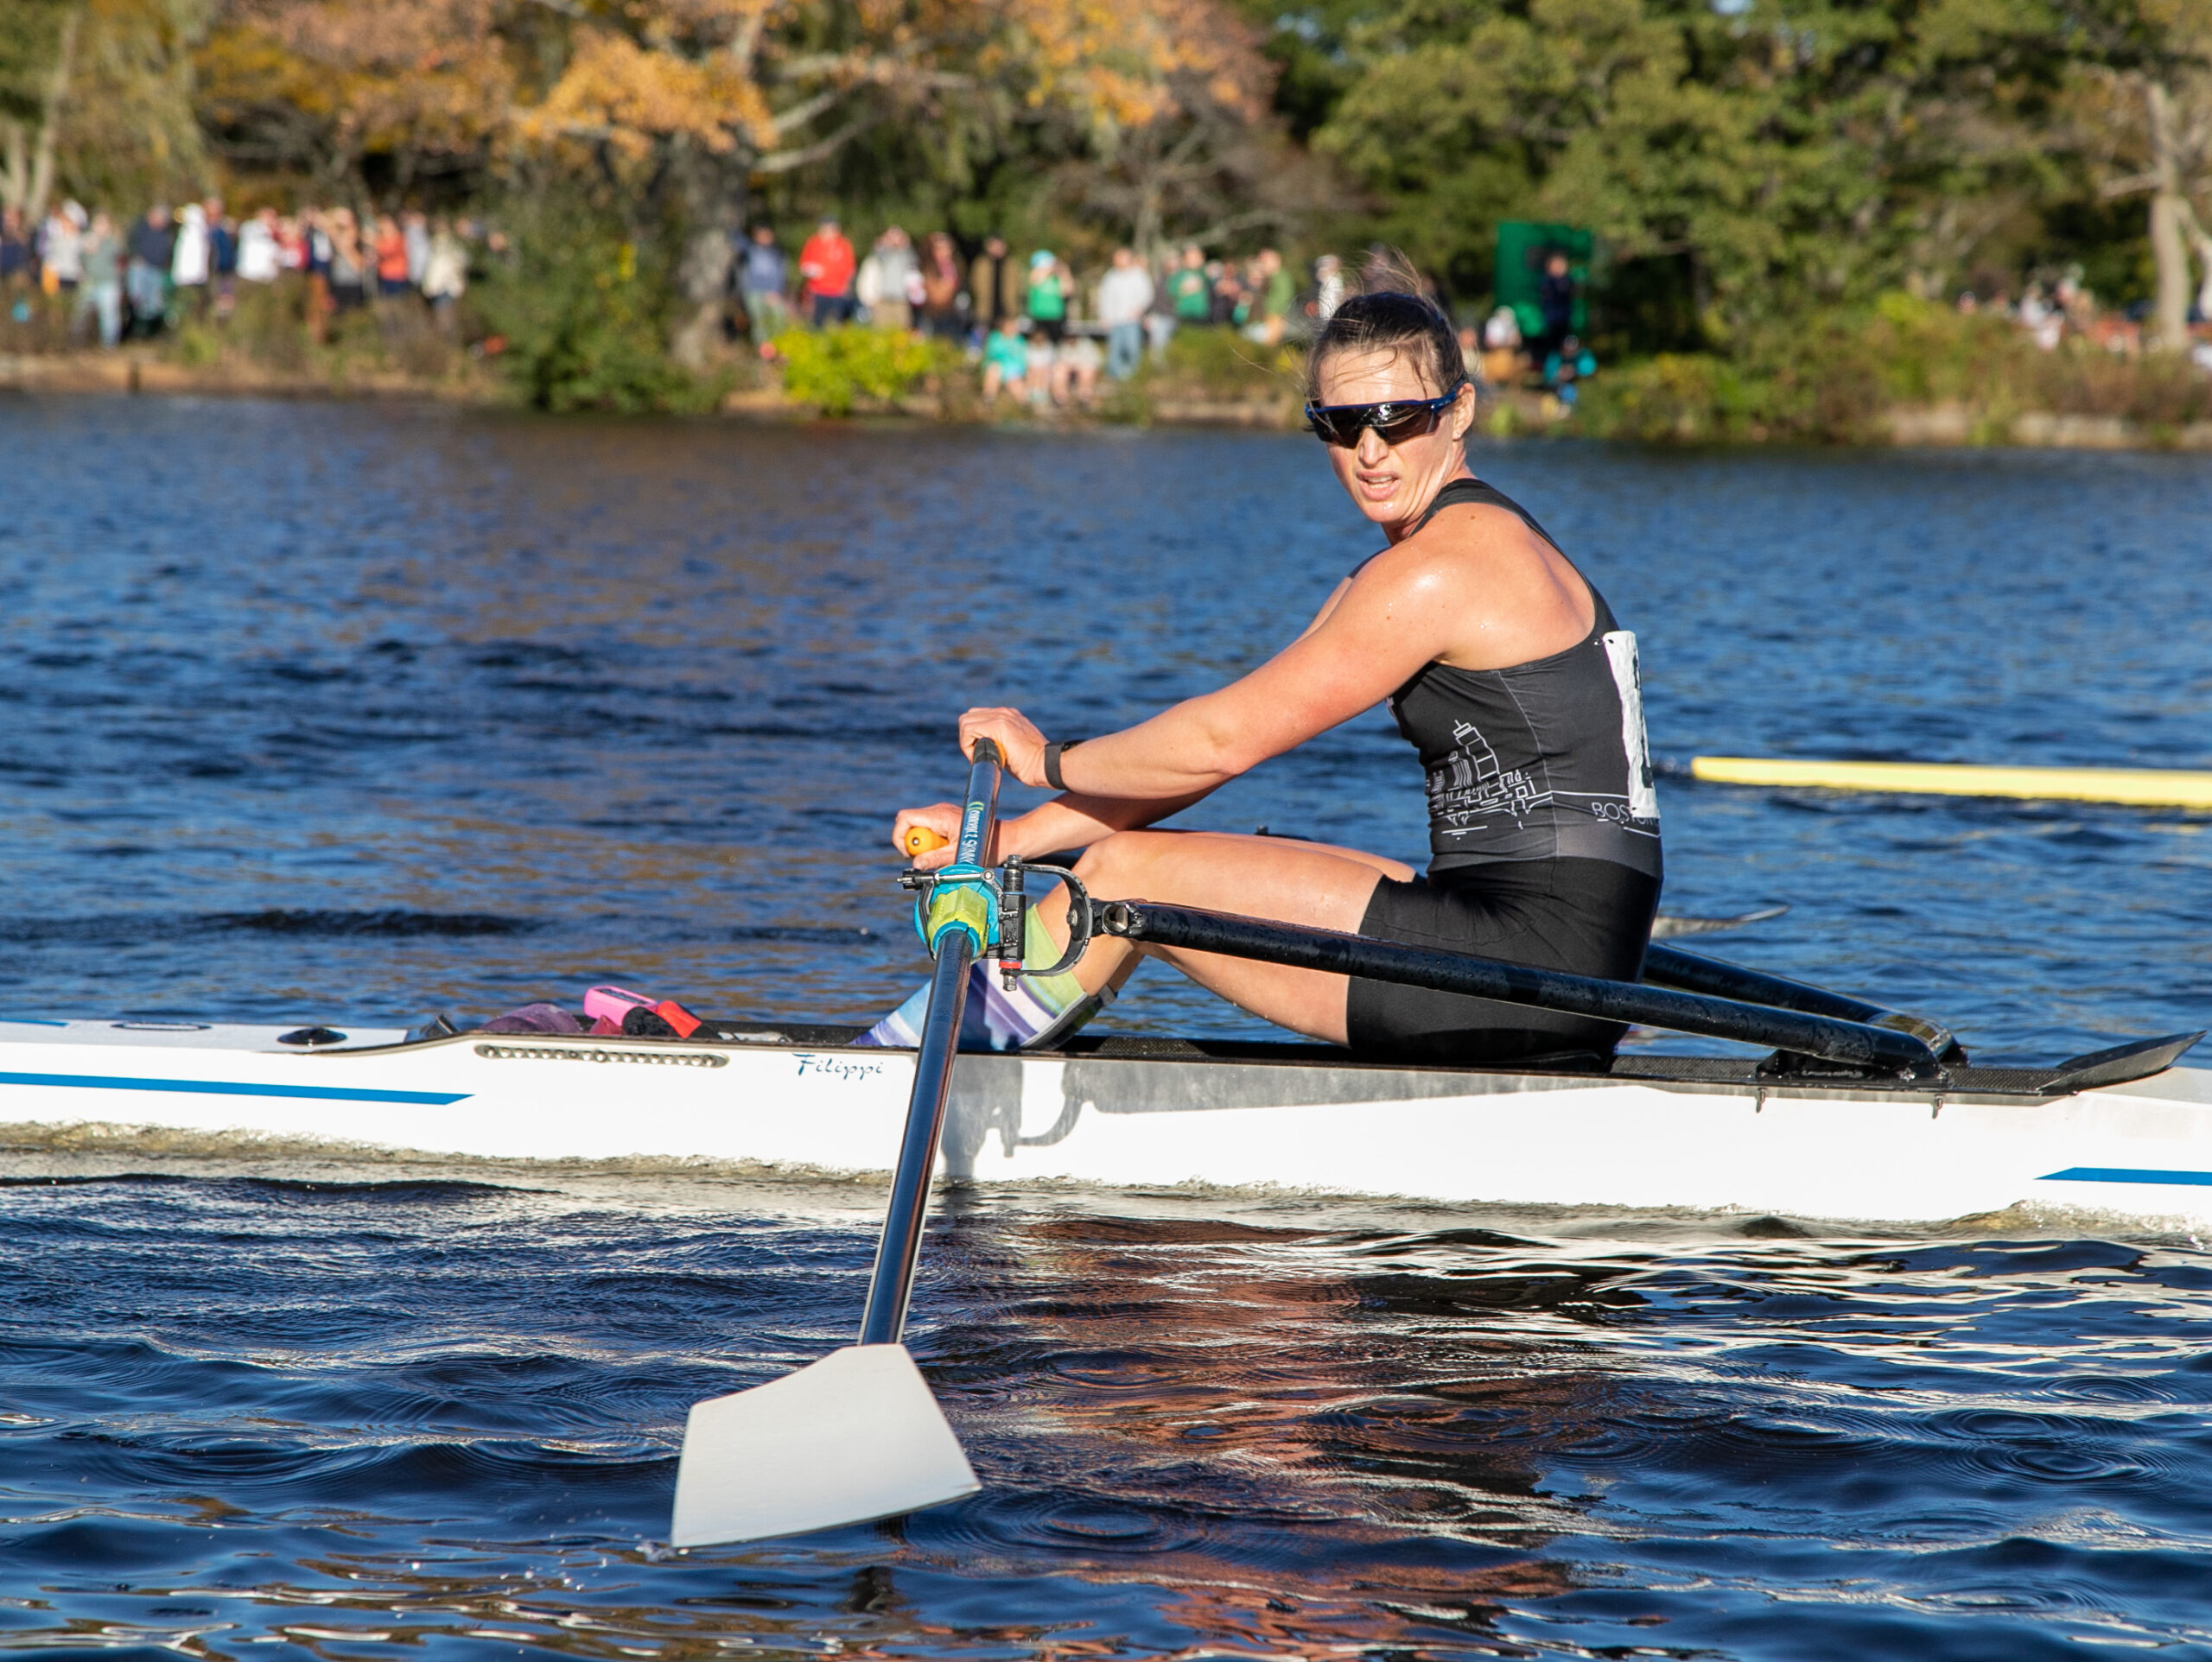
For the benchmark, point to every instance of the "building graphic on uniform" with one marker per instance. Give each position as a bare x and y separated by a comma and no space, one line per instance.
1470,785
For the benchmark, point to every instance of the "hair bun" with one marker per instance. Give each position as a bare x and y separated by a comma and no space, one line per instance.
1386,271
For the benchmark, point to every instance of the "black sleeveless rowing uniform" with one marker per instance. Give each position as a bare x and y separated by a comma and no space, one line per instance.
1543,828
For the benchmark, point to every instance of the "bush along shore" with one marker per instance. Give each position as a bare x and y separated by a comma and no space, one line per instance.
1900,371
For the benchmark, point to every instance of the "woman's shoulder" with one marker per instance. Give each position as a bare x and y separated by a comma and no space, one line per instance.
1486,561
1468,529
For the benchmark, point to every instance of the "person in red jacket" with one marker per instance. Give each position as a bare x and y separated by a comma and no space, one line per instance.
827,264
391,248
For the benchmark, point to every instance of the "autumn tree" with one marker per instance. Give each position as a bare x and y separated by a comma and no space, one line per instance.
96,99
688,106
317,86
38,44
1194,155
2141,112
717,95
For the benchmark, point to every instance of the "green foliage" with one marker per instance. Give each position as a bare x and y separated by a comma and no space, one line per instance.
1837,378
1306,43
1784,154
197,345
583,308
1680,398
835,369
1217,363
352,343
47,328
30,38
269,325
1208,367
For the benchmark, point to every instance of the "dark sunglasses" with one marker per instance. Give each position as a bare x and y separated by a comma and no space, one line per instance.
1394,422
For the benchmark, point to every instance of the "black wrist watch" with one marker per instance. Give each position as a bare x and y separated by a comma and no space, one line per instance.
1052,763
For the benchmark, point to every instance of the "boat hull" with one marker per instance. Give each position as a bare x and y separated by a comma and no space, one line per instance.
1301,1118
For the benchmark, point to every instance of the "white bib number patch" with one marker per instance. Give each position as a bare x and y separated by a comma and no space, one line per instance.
1643,793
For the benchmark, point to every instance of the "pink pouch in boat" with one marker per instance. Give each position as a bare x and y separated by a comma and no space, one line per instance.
615,1003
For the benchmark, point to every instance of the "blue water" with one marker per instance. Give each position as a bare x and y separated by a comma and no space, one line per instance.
349,714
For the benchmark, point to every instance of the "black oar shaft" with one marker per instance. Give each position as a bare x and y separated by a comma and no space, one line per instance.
1852,1043
897,1252
1666,966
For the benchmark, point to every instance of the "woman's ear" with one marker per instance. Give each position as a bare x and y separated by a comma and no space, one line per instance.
1463,412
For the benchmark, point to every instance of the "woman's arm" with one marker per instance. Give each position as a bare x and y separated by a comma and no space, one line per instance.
1073,820
1374,634
1076,822
1069,822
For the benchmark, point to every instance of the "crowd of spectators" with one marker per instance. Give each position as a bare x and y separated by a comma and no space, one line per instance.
1037,331
2065,308
136,281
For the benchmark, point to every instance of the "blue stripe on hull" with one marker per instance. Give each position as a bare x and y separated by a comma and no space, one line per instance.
2123,1174
220,1087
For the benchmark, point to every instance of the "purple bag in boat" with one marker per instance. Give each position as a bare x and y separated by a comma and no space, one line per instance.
534,1018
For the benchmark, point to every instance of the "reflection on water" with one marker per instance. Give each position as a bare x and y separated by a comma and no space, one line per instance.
345,714
637,699
314,1406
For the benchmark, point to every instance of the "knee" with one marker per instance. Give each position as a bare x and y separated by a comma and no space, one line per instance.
1113,867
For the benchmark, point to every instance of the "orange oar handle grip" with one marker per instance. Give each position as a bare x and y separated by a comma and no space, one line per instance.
920,839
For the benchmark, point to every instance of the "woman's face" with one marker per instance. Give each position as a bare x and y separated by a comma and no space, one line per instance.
1392,484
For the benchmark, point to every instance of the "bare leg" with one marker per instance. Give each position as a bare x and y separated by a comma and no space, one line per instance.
1311,883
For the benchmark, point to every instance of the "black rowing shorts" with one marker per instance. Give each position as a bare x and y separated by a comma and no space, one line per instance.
1587,917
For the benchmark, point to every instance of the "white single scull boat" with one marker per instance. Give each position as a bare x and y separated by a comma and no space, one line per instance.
2123,1135
1858,1113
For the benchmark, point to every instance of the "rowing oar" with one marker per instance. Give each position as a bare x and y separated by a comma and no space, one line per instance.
2135,786
1856,1044
1668,924
1691,972
857,1435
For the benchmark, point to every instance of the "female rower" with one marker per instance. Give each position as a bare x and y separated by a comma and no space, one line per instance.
1504,669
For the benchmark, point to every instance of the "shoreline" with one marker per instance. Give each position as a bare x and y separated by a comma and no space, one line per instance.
1519,415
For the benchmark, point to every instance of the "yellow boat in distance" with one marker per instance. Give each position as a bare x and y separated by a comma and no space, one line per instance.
2135,786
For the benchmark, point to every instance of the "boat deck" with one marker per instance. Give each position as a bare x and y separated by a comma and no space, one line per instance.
2133,1061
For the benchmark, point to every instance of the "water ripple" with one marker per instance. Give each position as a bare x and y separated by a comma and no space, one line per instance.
353,713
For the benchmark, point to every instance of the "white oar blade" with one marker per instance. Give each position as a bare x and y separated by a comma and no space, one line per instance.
854,1437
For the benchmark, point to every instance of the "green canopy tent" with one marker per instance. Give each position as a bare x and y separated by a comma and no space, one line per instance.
1523,246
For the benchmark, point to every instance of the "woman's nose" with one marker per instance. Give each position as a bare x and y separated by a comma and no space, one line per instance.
1372,451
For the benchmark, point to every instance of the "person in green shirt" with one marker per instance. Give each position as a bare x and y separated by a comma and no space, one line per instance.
99,291
1006,360
1190,297
1048,296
